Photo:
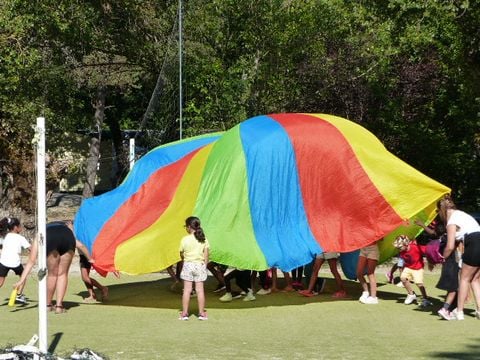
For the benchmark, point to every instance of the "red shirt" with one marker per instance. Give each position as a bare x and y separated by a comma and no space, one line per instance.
413,256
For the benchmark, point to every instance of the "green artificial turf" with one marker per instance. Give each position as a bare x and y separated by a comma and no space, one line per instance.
140,321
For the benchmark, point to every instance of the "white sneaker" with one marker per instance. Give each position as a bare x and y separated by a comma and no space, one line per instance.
364,297
227,297
477,314
249,296
203,316
457,315
444,313
22,299
410,298
183,317
264,291
371,300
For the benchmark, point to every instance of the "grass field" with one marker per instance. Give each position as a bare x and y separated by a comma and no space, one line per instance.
140,321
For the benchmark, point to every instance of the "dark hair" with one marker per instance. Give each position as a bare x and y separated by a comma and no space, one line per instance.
7,224
194,223
440,229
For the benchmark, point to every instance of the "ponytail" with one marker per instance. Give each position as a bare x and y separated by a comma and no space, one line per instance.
194,223
3,227
7,224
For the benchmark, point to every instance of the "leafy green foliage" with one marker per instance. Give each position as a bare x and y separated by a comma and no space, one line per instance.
407,70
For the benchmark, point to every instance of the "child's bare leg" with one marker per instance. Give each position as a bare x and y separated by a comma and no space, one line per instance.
407,285
88,284
423,291
274,279
317,264
101,287
372,280
476,289
362,264
332,263
172,273
393,269
200,297
288,281
187,289
371,265
212,267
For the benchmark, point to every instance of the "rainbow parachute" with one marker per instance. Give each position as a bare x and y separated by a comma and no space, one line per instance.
272,191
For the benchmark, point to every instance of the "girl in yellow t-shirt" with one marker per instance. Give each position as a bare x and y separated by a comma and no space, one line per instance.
194,253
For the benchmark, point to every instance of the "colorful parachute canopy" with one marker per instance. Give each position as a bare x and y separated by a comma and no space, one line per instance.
273,191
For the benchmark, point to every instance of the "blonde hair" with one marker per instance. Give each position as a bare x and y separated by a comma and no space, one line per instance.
401,241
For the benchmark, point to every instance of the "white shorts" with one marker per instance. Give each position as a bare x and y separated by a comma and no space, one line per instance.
370,252
327,255
194,271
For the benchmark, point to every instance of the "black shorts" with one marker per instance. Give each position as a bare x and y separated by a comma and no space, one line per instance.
448,280
84,263
5,269
60,238
471,253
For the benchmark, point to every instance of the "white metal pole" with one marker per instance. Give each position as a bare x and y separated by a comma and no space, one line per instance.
131,154
42,248
180,60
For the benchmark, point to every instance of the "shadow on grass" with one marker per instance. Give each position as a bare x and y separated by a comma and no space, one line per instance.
34,304
20,307
159,294
471,352
56,340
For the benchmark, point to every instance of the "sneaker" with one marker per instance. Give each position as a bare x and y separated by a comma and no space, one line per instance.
203,316
219,288
410,298
227,297
264,291
477,314
425,303
457,315
364,297
389,277
445,314
249,296
21,298
371,300
400,284
183,317
238,295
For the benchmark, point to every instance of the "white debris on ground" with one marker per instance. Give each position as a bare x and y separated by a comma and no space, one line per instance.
29,352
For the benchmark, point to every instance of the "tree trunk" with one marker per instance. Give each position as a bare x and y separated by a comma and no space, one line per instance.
94,153
120,151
